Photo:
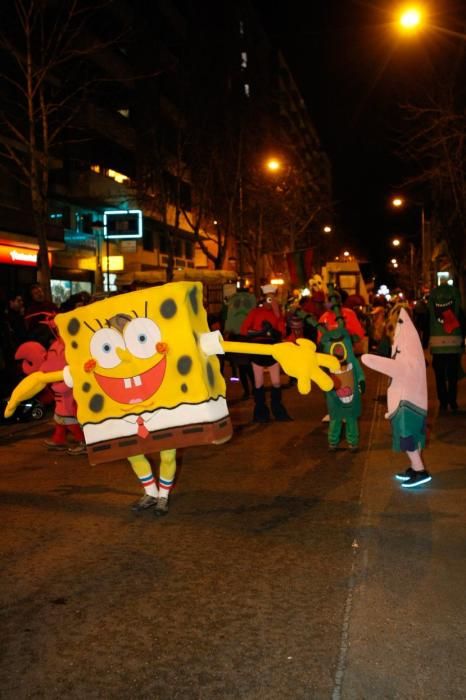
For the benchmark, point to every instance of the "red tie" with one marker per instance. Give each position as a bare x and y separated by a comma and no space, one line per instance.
142,430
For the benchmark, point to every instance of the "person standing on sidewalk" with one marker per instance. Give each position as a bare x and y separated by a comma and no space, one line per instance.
446,343
406,397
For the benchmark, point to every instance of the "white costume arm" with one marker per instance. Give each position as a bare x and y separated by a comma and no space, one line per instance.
382,364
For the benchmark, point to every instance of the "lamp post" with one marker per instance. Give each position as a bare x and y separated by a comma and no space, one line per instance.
426,252
98,229
396,243
241,232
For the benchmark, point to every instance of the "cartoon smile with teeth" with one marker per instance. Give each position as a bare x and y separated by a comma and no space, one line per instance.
128,360
146,378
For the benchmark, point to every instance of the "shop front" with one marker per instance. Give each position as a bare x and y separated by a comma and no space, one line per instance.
18,267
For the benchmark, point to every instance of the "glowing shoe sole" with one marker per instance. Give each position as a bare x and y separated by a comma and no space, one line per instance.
404,476
412,482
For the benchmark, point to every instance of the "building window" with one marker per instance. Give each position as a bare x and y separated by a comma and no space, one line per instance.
147,240
185,196
247,91
177,192
179,248
244,60
163,243
108,172
189,250
84,223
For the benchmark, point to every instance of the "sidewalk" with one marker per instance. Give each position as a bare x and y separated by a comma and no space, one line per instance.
405,614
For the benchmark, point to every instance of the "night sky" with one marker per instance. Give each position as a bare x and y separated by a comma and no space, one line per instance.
354,71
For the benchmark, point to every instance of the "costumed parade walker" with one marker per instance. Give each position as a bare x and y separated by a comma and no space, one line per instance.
266,325
145,377
406,397
344,400
446,343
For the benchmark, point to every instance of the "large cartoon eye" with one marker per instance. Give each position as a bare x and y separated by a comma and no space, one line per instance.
141,336
104,344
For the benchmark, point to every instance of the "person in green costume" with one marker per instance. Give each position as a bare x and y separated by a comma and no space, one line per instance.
446,342
344,400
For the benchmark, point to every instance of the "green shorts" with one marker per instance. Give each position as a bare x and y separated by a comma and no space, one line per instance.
408,427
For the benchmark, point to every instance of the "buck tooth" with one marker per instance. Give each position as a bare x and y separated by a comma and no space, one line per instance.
137,381
127,382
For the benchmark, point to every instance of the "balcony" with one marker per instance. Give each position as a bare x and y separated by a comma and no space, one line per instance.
88,187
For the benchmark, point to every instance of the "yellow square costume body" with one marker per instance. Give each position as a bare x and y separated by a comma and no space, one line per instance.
146,379
140,378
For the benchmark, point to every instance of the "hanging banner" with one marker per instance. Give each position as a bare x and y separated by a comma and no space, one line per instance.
300,266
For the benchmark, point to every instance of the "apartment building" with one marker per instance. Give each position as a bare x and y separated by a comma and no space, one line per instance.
126,203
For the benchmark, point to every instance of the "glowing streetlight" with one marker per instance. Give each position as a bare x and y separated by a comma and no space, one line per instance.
273,164
396,242
397,202
327,229
346,253
410,19
393,261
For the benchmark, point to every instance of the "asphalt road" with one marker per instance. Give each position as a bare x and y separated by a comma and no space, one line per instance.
281,571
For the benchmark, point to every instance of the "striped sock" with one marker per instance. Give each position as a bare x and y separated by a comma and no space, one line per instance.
165,486
148,482
143,470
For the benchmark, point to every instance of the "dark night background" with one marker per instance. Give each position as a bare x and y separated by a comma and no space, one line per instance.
355,70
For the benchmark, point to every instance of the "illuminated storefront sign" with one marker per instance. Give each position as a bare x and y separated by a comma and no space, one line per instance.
16,255
123,224
116,263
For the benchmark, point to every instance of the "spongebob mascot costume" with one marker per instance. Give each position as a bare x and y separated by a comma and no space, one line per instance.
145,376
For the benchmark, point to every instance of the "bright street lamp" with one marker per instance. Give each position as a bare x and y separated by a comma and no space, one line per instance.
397,202
273,164
413,18
396,242
327,229
410,19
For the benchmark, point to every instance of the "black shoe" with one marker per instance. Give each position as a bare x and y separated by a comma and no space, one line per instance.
162,507
278,409
55,446
404,476
442,409
144,503
417,479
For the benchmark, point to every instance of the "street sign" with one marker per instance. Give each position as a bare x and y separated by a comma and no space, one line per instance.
120,224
